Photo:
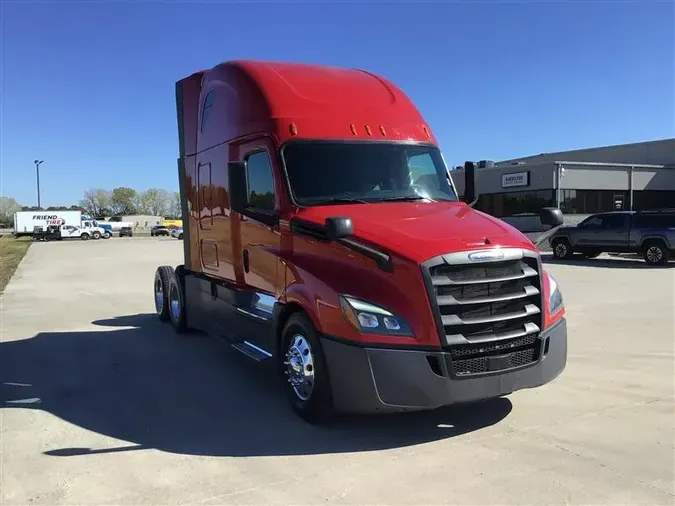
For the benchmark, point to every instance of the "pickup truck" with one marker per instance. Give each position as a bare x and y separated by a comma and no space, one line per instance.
649,233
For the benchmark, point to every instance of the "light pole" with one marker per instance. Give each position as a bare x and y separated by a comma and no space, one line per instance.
37,173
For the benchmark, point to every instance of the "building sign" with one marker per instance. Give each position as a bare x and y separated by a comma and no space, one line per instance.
515,179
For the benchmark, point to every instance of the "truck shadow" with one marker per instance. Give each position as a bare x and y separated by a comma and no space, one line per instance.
146,385
604,262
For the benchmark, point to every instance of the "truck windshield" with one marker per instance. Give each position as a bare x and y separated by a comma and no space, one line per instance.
342,172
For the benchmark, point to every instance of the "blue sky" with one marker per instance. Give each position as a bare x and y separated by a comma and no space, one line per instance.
89,86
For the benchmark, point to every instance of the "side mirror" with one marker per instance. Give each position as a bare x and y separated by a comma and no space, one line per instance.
551,216
338,227
237,186
470,183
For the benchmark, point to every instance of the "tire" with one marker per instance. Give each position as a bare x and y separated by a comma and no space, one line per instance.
107,235
180,237
96,235
592,254
562,249
655,252
84,237
163,276
176,303
301,351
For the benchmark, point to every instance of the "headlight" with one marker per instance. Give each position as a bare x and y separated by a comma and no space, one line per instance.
555,299
369,318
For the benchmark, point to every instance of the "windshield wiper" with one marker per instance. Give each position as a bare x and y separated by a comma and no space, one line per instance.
409,198
339,200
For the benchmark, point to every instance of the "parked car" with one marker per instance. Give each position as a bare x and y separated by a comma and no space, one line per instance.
649,233
177,233
159,230
126,232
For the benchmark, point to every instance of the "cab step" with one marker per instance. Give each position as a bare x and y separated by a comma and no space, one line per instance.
252,351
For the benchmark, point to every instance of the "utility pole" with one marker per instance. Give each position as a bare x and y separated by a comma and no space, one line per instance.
37,173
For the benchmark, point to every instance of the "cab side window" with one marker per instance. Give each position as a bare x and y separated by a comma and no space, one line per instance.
614,221
260,181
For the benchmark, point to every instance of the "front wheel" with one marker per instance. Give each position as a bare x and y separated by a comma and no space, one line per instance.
562,249
107,235
304,370
96,235
655,253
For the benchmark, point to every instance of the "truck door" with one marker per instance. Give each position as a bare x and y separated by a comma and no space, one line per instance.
588,232
614,232
260,237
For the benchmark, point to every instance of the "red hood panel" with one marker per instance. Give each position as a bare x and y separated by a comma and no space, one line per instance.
420,231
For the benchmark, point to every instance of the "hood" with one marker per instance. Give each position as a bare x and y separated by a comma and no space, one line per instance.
422,230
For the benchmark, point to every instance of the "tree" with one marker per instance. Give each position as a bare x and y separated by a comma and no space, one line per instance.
97,202
175,209
8,206
153,202
123,200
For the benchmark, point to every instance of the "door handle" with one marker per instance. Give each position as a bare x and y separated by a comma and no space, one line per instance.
246,261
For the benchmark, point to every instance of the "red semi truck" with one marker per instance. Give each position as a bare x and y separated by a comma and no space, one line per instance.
323,232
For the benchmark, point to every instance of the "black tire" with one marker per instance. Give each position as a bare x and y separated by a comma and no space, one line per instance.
84,237
160,291
562,249
176,302
180,237
591,254
314,405
107,235
96,235
655,252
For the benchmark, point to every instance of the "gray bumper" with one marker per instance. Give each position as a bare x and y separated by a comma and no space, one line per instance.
366,380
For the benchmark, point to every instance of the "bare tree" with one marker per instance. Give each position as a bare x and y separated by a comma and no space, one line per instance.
97,202
154,202
8,206
175,209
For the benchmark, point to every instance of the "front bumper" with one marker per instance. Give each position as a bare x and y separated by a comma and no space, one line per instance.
366,380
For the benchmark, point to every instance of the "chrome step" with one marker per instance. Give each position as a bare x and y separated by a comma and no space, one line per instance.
252,351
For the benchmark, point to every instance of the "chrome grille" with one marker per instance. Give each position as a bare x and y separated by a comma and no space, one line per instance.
487,308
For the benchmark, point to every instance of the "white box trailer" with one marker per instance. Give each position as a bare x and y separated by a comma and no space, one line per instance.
27,222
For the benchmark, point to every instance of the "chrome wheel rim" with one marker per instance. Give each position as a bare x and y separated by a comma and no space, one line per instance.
654,254
159,295
174,302
560,250
299,363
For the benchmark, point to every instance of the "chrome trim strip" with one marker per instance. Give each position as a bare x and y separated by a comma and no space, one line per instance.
529,329
449,300
445,280
252,315
452,320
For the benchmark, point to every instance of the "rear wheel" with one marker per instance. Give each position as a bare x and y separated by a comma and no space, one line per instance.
84,237
562,249
304,370
180,237
96,235
177,303
163,276
655,253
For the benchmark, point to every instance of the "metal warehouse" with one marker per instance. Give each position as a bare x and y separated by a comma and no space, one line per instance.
635,176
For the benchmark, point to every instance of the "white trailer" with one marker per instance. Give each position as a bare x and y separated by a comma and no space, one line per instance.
28,222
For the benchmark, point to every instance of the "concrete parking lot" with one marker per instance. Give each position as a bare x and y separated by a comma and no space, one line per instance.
102,404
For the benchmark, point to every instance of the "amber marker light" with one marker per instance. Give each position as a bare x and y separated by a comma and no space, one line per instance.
293,129
368,131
